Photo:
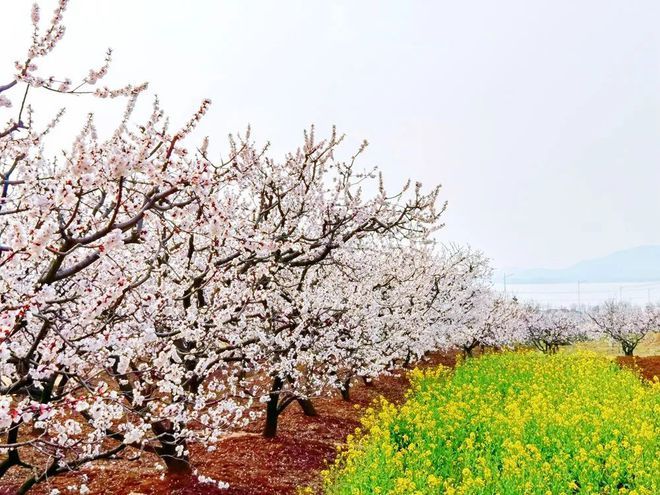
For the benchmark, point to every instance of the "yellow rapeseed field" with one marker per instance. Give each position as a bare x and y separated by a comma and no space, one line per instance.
510,423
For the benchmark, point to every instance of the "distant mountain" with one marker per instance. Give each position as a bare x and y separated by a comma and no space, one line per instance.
640,264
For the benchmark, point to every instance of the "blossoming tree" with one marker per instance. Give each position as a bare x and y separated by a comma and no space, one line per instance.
625,323
82,238
549,329
465,311
147,289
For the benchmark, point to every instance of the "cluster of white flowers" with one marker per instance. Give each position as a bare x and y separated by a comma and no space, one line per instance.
206,480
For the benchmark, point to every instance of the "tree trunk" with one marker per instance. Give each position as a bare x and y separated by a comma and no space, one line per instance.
345,390
272,409
307,407
177,463
13,459
550,348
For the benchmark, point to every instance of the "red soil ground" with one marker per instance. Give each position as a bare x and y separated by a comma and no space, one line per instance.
648,367
251,464
254,465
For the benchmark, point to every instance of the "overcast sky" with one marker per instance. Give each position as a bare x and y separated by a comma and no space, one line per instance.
541,119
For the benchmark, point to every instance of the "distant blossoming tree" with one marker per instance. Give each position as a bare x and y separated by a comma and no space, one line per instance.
625,323
547,330
466,312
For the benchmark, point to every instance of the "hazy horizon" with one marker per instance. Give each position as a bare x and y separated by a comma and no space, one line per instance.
570,263
540,119
584,295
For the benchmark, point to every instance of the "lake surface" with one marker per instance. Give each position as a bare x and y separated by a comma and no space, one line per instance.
586,294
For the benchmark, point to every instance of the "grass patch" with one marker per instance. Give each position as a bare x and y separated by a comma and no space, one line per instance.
511,423
649,346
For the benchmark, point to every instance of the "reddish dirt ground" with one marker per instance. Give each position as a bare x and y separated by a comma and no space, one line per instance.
254,465
648,367
251,464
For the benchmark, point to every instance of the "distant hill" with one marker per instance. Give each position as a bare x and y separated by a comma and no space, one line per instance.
640,264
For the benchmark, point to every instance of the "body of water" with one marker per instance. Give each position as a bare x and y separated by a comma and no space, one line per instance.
583,294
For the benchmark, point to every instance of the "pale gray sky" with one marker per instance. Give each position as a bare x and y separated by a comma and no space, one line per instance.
540,118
